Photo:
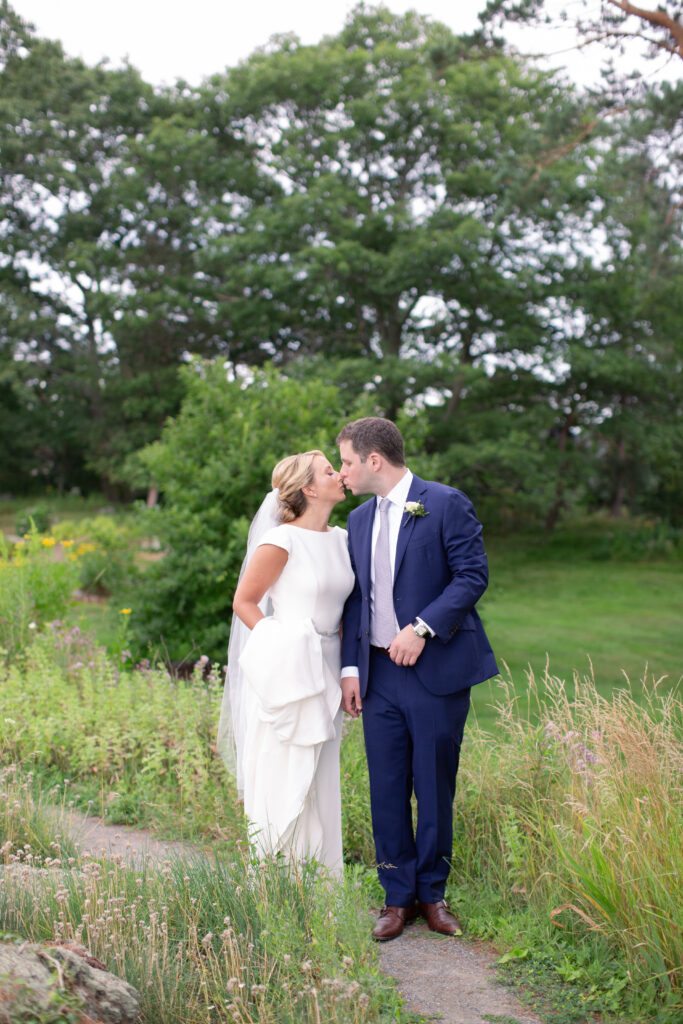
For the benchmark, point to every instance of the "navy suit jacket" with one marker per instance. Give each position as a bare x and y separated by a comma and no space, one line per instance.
441,572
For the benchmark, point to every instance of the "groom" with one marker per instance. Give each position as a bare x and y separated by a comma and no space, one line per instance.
412,647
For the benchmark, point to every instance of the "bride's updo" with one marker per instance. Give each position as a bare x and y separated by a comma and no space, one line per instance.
290,476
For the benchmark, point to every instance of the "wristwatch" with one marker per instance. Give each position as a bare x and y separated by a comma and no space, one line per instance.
421,629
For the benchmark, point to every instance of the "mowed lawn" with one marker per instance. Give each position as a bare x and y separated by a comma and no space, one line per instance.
623,617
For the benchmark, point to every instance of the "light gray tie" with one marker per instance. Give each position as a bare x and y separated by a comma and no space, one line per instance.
383,618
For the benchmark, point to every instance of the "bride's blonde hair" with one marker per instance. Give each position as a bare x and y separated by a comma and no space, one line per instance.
290,476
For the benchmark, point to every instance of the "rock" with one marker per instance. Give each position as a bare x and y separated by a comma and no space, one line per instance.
34,977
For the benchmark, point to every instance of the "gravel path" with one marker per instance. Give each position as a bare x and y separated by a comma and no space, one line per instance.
449,980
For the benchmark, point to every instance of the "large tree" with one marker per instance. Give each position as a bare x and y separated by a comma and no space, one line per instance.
109,191
414,187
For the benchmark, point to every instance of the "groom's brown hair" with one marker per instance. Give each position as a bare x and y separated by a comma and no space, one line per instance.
374,434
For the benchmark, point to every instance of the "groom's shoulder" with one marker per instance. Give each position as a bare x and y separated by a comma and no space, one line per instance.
445,495
444,491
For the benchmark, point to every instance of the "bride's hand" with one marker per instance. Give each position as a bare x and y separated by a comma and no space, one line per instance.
351,700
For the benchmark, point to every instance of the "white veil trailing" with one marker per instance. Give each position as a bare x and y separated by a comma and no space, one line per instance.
232,725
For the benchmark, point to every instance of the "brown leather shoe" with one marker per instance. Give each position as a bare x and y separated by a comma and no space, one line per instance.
439,917
392,921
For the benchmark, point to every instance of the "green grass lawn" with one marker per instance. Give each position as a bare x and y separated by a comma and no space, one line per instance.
623,617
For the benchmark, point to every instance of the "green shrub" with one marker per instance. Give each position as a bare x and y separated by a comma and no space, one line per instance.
213,466
139,743
105,549
37,518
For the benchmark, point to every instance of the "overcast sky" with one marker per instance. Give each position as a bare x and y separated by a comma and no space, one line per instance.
170,39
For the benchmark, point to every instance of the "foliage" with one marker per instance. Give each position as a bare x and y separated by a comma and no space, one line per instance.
476,243
37,517
29,820
136,742
104,546
220,939
35,586
213,466
568,830
115,187
567,816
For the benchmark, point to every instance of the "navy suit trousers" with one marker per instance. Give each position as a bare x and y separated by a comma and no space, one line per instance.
412,741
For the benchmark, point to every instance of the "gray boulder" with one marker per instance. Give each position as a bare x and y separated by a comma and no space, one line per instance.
34,977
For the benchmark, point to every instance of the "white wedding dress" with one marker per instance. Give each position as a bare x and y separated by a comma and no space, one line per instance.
291,663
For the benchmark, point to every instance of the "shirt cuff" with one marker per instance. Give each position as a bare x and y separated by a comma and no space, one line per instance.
349,670
423,623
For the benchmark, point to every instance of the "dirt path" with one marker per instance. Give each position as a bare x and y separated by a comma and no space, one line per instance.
93,837
446,980
450,980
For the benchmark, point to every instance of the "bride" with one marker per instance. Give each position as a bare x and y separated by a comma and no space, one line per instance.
280,728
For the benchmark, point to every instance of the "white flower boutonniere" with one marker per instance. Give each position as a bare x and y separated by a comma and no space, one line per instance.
414,510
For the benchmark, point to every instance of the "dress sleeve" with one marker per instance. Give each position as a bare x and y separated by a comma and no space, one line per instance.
279,536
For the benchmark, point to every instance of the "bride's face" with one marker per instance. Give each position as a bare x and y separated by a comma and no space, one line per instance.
327,482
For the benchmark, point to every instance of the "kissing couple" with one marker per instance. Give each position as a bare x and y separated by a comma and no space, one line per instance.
378,620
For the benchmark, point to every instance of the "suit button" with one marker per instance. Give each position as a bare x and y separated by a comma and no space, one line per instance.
367,634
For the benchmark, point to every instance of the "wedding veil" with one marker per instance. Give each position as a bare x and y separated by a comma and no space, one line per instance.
232,725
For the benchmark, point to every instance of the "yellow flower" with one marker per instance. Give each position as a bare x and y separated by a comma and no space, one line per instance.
126,611
48,542
67,543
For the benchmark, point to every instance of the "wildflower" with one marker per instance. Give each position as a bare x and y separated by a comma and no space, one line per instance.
33,625
48,542
67,543
126,611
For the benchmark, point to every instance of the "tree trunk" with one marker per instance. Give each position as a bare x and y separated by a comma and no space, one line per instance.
617,506
558,504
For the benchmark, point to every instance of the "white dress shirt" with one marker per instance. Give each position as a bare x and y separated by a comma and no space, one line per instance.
398,496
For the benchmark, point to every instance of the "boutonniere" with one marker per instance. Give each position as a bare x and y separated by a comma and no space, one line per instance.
414,510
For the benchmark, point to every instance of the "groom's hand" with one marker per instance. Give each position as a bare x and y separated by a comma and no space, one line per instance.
351,701
406,647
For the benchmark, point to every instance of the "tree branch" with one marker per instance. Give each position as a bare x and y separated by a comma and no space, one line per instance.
658,18
557,154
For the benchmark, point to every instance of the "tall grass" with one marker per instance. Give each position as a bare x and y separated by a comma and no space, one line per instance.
34,587
208,941
572,813
568,848
137,743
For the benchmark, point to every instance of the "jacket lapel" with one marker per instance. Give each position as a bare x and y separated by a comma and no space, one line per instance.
417,489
